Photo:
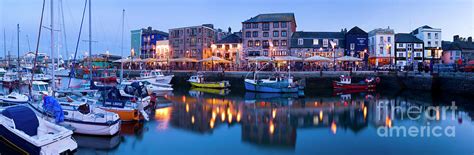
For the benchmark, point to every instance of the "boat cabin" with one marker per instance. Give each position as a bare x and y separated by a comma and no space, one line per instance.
345,79
39,86
196,78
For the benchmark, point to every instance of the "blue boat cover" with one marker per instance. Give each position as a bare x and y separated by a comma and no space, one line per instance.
25,119
52,106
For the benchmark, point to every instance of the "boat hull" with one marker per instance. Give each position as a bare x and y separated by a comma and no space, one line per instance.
125,114
337,85
255,87
98,129
216,85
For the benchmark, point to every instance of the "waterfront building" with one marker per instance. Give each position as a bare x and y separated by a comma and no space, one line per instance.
192,42
460,49
229,48
325,44
356,43
162,50
409,50
380,46
432,42
268,34
143,42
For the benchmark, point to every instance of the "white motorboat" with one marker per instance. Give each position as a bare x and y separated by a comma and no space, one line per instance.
2,73
156,88
82,117
155,76
25,133
10,78
61,72
14,98
38,89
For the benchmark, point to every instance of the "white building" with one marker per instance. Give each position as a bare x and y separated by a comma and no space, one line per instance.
432,41
409,50
381,51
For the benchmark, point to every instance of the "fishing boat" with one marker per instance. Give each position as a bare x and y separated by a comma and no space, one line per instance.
10,79
79,115
121,101
274,84
198,81
14,98
155,76
22,132
346,83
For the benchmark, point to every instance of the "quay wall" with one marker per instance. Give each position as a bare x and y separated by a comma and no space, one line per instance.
452,82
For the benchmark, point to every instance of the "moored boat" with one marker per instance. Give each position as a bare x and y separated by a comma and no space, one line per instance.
272,85
198,81
346,83
10,79
155,76
23,132
14,98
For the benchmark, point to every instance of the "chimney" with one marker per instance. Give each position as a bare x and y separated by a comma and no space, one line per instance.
469,39
455,38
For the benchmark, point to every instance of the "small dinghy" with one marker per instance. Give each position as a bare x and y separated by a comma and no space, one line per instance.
14,98
25,133
198,81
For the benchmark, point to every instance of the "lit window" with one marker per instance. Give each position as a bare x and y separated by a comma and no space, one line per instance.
315,41
300,41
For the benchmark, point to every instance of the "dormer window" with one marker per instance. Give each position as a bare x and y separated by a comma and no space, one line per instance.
300,41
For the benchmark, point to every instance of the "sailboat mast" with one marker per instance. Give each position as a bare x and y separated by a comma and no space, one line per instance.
18,49
64,32
121,61
52,45
4,44
90,40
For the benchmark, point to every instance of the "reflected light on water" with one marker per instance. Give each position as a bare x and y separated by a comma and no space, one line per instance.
222,116
321,115
187,107
238,117
388,122
211,123
230,118
272,127
365,112
333,127
192,119
274,113
183,98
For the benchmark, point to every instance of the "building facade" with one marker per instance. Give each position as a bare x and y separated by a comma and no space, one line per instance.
459,50
162,50
325,44
143,42
408,50
229,48
268,34
380,47
432,42
356,43
192,42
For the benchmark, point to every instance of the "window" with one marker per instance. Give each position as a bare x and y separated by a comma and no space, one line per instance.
276,25
429,43
325,42
381,39
283,33
265,43
399,45
436,43
436,35
315,41
283,25
255,34
283,43
265,52
250,43
335,42
429,35
266,26
255,25
417,54
219,46
400,54
275,33
248,26
234,45
265,34
247,34
257,43
352,46
276,43
389,39
300,41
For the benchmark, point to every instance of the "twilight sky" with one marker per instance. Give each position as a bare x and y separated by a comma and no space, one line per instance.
452,16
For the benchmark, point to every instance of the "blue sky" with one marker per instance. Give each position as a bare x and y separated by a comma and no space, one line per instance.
452,16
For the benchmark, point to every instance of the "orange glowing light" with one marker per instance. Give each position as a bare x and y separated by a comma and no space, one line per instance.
192,119
320,115
211,123
183,98
228,110
214,115
229,118
238,117
365,112
272,128
274,113
218,109
187,108
437,114
163,114
333,127
388,122
222,117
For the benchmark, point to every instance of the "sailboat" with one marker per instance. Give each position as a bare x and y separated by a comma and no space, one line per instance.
274,84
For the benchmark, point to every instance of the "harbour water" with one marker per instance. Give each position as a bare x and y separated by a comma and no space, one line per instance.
207,121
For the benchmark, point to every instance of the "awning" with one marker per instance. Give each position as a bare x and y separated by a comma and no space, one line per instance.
287,58
183,60
215,59
348,58
122,60
317,58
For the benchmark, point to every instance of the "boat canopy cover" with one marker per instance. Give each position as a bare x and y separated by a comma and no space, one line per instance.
114,99
52,106
25,119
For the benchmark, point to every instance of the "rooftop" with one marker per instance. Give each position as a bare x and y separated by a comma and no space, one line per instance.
233,38
272,17
356,30
301,34
457,45
406,38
